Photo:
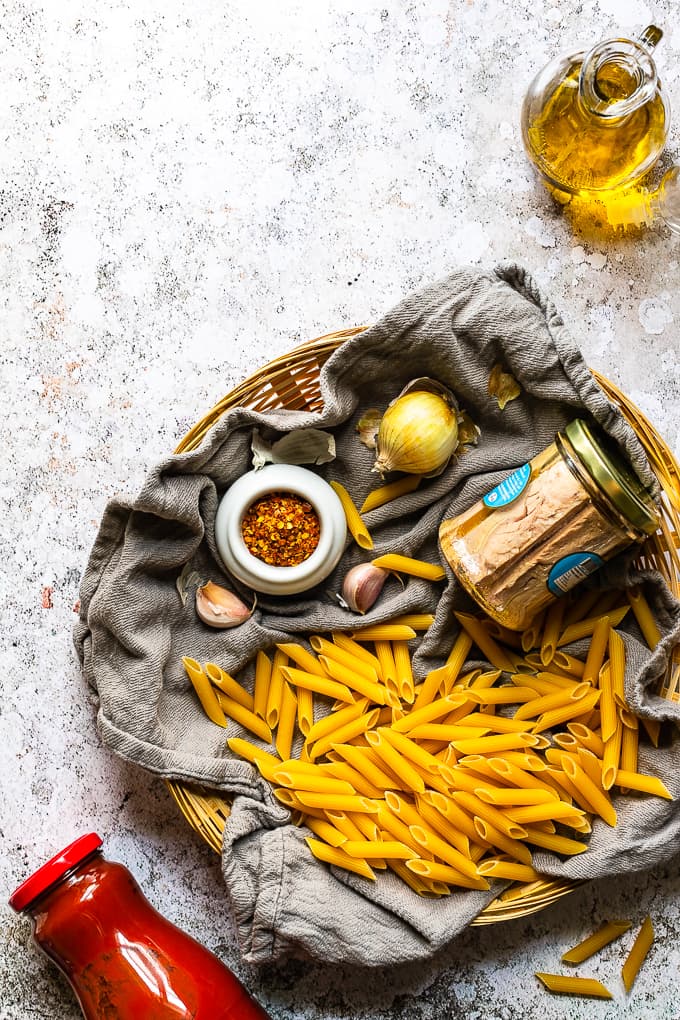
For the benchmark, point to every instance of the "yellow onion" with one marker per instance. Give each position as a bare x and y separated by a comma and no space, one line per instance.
418,431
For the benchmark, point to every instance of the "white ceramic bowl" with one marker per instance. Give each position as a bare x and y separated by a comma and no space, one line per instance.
264,577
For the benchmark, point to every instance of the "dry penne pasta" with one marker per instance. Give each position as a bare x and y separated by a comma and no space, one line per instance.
419,621
234,710
205,692
409,565
228,685
640,949
355,524
287,720
597,650
275,690
493,652
263,672
599,802
565,984
393,490
446,873
354,680
350,730
496,867
551,630
334,855
645,784
330,650
617,668
643,615
314,682
384,632
609,931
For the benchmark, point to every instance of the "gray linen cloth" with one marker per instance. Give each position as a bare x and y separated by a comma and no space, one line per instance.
134,628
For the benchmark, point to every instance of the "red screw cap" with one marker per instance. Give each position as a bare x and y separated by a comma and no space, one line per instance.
53,870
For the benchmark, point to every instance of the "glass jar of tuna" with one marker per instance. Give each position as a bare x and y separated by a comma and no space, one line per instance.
548,525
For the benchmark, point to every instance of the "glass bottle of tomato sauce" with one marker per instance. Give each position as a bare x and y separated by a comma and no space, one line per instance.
123,959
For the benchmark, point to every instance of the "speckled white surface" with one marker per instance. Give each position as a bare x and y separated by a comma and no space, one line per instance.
187,191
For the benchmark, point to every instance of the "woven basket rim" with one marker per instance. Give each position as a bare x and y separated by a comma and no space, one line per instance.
275,384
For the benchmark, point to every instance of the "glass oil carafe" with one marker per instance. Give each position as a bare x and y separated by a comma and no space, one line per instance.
596,122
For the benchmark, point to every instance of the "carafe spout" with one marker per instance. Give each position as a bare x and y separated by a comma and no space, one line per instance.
619,76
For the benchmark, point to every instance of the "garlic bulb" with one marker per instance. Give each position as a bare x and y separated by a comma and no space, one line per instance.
362,585
220,608
419,430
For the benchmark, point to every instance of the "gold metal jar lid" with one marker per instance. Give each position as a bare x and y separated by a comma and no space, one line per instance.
613,475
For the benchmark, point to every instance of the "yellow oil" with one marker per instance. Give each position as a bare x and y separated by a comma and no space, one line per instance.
580,152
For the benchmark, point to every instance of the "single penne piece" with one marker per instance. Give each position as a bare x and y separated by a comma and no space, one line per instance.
408,565
628,757
234,710
513,796
552,841
514,848
598,800
329,650
531,635
355,649
444,732
384,632
479,809
439,848
570,710
443,680
355,524
640,949
568,664
644,617
505,695
343,734
495,867
493,652
204,691
597,650
546,703
591,764
397,828
358,783
345,824
275,691
302,658
263,672
385,656
565,984
225,683
378,740
507,637
290,799
312,782
617,668
482,721
336,802
320,684
642,783
587,738
334,720
266,763
611,757
452,812
325,830
494,743
361,759
607,933
358,682
585,628
393,490
305,710
550,810
551,630
334,855
287,720
446,873
419,621
371,849
442,826
422,886
423,760
404,671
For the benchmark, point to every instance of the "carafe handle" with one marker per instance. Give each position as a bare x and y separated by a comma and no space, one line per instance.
629,58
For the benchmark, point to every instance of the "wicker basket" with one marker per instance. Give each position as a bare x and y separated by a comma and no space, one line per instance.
292,381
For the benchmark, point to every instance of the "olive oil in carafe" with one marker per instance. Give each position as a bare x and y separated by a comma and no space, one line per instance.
581,153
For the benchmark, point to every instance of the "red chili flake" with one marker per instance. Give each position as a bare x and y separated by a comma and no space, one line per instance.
281,529
47,597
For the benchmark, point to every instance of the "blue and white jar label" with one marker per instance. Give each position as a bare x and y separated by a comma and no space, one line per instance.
509,489
571,570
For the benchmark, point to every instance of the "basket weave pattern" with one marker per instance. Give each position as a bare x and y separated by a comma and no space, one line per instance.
292,382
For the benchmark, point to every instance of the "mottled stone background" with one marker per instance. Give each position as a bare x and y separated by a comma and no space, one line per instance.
186,191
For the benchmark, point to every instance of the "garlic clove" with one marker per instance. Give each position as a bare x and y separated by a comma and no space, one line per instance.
367,427
362,585
220,608
419,430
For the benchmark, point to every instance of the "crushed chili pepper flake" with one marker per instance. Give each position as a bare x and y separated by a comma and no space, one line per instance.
281,529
